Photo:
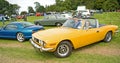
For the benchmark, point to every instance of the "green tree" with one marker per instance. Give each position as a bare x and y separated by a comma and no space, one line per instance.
23,12
67,5
110,5
38,7
3,6
30,9
7,8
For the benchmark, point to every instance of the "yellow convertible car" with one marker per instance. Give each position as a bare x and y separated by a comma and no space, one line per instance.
63,40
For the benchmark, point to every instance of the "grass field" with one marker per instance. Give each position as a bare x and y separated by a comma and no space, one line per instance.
11,51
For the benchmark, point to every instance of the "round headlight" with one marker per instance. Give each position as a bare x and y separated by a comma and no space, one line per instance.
41,42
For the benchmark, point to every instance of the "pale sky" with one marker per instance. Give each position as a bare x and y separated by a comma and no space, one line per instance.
25,3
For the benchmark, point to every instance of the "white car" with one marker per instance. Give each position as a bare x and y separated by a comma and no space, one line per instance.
67,15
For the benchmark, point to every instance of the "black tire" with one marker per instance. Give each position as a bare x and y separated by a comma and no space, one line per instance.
64,49
58,24
37,24
108,37
20,37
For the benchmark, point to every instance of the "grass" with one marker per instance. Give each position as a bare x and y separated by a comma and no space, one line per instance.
11,51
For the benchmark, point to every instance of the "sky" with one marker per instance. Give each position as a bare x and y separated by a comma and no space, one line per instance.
25,3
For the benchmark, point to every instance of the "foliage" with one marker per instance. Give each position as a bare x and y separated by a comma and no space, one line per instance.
7,8
23,12
110,5
66,5
38,7
30,10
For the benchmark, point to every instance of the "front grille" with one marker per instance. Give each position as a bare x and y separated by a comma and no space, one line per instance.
36,40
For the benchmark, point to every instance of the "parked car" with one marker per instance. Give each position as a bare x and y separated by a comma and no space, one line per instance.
19,30
63,40
4,17
19,17
57,20
67,15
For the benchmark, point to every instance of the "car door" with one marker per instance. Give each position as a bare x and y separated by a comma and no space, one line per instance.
85,37
49,20
90,33
9,31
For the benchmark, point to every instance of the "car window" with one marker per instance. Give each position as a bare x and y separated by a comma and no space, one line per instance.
46,17
27,24
69,23
92,22
52,17
10,27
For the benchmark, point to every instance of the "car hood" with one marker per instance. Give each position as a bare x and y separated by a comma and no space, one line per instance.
55,34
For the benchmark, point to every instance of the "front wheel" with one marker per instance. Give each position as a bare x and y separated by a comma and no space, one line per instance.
20,37
108,37
64,49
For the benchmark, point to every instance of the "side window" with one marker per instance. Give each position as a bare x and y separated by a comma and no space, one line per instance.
46,17
53,17
90,23
11,27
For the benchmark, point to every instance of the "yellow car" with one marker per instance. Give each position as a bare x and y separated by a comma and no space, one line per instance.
63,40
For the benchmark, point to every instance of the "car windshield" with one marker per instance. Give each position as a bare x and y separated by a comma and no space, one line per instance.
27,24
70,23
56,16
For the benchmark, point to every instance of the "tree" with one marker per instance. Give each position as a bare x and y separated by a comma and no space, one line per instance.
39,8
15,8
3,6
30,9
110,5
23,12
67,5
7,8
119,3
99,4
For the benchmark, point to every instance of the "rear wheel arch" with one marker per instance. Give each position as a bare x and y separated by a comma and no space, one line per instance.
108,36
37,23
110,31
58,24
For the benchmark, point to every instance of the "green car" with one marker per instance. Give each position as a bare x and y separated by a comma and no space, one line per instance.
56,20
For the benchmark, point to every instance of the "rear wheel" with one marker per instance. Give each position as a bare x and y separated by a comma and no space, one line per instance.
108,37
20,37
58,24
38,24
64,49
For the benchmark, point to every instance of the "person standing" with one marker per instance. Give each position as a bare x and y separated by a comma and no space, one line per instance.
3,21
79,14
24,17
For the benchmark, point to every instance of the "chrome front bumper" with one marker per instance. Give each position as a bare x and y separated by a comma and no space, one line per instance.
39,47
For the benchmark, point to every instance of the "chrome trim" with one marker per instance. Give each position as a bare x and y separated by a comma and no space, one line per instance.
39,47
